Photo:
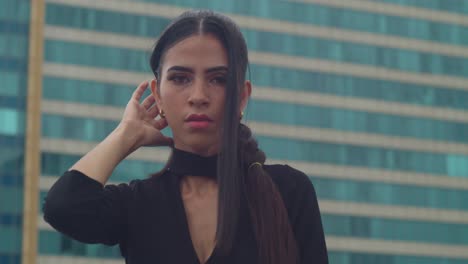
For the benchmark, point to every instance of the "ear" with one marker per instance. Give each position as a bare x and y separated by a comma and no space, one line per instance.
155,91
245,95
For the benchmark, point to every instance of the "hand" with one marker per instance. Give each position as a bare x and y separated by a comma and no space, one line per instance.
140,118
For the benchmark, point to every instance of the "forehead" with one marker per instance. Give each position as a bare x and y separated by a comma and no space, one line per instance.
198,52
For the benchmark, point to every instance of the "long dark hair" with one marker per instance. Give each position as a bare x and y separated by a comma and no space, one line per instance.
236,180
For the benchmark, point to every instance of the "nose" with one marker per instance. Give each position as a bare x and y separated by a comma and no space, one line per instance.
199,95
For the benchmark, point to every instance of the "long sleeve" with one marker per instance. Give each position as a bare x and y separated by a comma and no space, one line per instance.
83,209
307,224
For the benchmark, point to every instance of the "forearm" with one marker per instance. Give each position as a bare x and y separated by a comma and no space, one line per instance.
102,159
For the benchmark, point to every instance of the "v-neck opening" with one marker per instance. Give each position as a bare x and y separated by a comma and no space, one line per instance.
185,226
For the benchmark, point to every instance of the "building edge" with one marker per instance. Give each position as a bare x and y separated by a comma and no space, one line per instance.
33,133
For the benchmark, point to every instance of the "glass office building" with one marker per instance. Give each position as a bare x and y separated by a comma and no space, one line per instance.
14,34
368,97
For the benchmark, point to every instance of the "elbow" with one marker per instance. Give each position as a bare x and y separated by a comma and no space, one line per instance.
57,215
58,202
54,212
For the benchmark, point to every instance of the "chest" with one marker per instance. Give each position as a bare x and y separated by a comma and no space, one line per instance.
165,226
201,215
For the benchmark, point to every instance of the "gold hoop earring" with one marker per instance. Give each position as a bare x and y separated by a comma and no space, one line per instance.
241,115
161,113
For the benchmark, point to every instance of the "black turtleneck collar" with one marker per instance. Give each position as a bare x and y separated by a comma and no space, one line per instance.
188,163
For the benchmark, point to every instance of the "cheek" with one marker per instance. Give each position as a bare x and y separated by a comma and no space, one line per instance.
169,97
164,91
220,103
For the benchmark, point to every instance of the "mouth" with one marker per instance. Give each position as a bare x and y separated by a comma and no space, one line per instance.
198,121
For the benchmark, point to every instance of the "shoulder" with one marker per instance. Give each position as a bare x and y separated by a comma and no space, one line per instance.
295,187
287,178
139,187
300,200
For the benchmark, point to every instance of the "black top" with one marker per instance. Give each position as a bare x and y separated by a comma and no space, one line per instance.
147,217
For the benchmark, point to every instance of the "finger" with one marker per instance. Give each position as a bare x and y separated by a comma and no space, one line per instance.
140,90
153,111
159,124
148,101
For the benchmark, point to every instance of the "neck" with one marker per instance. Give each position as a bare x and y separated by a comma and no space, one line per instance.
197,172
200,151
196,185
185,164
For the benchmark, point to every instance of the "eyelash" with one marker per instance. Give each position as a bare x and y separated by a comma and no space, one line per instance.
220,79
177,79
182,80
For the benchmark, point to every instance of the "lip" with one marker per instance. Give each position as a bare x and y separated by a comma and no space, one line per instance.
198,118
198,121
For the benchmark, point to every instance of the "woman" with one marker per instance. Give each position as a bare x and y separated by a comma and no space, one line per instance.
215,201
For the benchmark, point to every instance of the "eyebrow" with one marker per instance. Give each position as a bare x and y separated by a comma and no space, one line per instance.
190,70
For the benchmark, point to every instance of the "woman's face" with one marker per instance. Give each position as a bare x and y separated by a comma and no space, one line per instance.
192,92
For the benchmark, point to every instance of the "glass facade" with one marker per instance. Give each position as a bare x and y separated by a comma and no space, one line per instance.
14,30
307,13
121,20
455,6
411,60
354,121
288,79
397,59
444,165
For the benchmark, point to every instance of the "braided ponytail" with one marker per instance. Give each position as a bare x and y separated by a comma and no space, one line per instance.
273,232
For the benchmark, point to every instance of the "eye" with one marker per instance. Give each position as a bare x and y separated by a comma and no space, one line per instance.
219,80
179,79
